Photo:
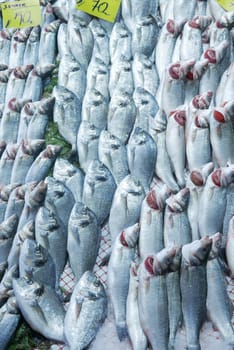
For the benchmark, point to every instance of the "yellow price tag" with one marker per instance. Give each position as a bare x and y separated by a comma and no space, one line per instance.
228,5
20,14
105,9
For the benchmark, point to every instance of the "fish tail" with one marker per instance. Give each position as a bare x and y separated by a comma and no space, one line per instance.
122,330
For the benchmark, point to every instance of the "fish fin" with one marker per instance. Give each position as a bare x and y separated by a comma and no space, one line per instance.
122,330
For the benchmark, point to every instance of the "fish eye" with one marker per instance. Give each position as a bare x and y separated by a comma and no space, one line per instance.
96,283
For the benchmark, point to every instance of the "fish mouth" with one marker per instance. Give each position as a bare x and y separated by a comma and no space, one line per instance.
171,26
210,54
174,71
149,264
219,115
180,117
197,178
216,177
152,200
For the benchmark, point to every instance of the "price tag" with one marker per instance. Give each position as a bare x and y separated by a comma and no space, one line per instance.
105,9
20,14
228,5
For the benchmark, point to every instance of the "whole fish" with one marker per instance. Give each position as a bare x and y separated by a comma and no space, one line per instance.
126,205
175,143
177,229
9,320
27,232
121,77
7,163
101,41
4,77
142,154
120,42
87,144
58,197
83,242
217,295
135,332
51,234
18,45
112,152
5,45
194,293
67,113
7,231
198,147
95,108
121,116
33,89
144,73
36,261
86,312
222,134
99,189
122,255
213,201
15,201
16,82
62,43
32,47
40,307
42,164
98,76
27,152
48,43
38,123
152,297
26,115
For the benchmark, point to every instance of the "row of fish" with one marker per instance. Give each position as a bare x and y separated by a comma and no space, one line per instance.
148,96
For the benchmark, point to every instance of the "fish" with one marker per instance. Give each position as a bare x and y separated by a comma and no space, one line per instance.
39,304
48,15
26,115
121,116
51,234
175,143
67,113
42,164
25,156
7,231
32,47
27,232
98,191
95,108
60,10
38,123
194,293
84,236
121,77
5,191
62,43
86,312
76,184
4,77
198,147
183,11
98,76
112,152
16,82
48,43
15,202
152,297
222,134
5,45
7,163
6,287
101,41
229,245
87,144
217,295
126,205
224,92
122,255
34,85
120,42
18,45
213,201
177,230
135,332
142,154
9,321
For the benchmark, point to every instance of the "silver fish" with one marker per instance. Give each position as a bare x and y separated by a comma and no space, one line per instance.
48,42
40,307
15,202
16,82
63,48
88,304
126,205
18,45
95,108
83,242
6,287
4,77
10,317
120,42
121,77
5,45
101,41
122,255
7,162
229,245
98,76
32,47
26,114
7,231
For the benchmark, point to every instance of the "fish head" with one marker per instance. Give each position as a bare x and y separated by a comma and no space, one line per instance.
176,260
12,306
131,185
90,286
129,236
63,169
37,196
199,176
223,177
28,231
82,216
33,253
216,245
197,252
163,260
44,70
202,101
28,289
47,220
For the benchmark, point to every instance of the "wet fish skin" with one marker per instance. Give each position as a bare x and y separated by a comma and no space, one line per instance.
4,77
5,45
141,147
41,165
16,82
112,152
98,76
126,205
62,44
67,109
15,202
6,288
32,47
27,152
7,162
18,45
120,42
7,231
95,108
118,275
25,116
136,334
10,318
194,293
121,77
229,245
121,116
48,41
40,307
86,312
101,41
183,11
83,242
99,189
63,169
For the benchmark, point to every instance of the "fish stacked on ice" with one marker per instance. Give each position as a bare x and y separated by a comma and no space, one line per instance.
147,105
